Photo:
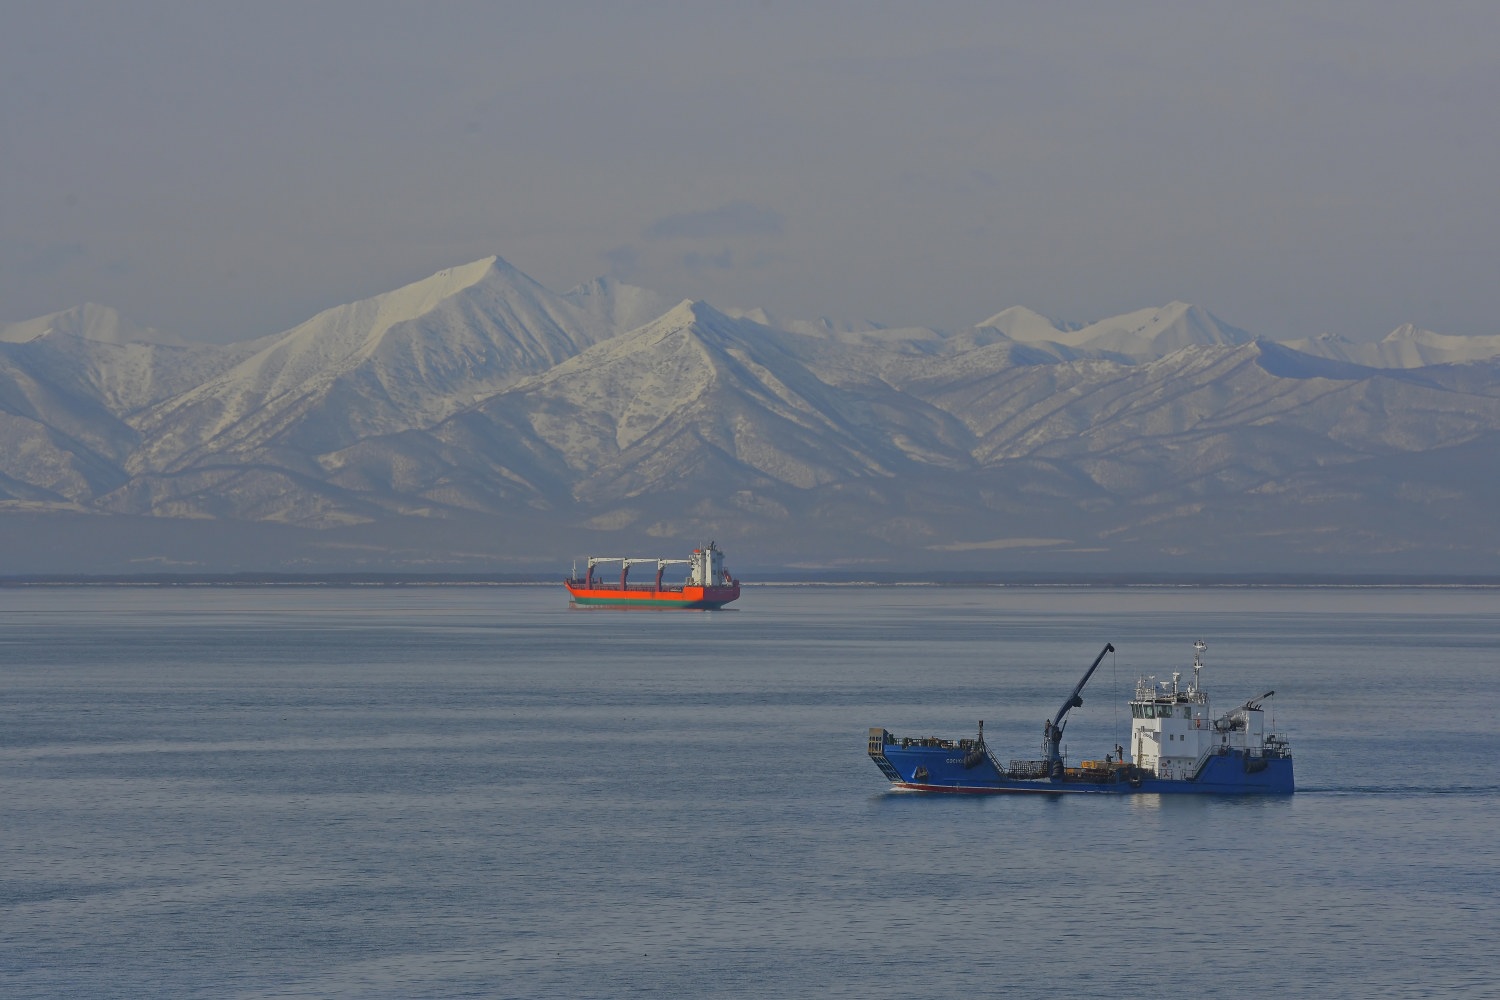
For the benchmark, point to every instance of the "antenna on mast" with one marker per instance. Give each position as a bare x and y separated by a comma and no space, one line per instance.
1198,648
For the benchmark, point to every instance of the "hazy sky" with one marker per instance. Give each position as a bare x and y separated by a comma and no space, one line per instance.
225,170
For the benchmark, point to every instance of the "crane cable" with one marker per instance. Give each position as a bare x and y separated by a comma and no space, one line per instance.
1114,667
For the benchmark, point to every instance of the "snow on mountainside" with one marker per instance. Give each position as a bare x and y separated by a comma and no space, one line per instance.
1200,414
1406,346
687,406
56,447
693,387
477,393
69,383
122,378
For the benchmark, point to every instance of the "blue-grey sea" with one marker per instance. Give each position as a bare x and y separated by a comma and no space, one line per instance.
482,792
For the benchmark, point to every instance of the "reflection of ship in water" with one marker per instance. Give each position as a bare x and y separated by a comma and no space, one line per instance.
1177,746
708,584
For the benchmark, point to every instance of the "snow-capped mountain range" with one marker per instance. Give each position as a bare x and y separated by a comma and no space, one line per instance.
477,421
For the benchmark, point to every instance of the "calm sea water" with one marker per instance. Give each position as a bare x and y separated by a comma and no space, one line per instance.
436,792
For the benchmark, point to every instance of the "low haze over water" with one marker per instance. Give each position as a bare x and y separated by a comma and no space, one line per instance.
479,791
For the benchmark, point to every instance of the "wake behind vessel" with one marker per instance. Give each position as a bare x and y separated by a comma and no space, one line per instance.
708,584
1177,746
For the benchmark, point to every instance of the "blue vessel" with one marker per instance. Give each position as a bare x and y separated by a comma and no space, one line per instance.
1177,746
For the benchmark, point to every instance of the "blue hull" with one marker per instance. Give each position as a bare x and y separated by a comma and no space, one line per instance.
938,769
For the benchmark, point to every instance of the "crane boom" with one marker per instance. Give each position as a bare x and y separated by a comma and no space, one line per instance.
1053,732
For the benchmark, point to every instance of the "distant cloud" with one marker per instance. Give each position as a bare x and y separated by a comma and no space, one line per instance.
48,259
624,261
721,261
738,218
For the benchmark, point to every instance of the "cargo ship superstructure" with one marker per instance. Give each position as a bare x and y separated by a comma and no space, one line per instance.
1177,746
709,583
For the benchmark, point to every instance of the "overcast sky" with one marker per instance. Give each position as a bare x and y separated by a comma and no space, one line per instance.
222,171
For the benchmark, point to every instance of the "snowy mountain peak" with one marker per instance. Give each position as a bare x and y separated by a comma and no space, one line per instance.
697,319
410,357
694,313
1139,336
1409,332
97,323
1025,325
823,326
619,305
508,300
684,313
423,296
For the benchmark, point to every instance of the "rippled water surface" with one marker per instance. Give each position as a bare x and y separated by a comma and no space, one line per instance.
434,792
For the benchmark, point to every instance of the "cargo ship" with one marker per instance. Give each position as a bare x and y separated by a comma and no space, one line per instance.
1177,746
708,585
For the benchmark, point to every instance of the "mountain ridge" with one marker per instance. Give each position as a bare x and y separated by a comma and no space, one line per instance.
478,397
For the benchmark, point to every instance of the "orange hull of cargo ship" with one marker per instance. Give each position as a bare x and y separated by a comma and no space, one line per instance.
643,594
709,583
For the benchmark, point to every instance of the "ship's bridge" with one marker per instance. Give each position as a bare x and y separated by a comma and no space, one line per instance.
706,568
1174,732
